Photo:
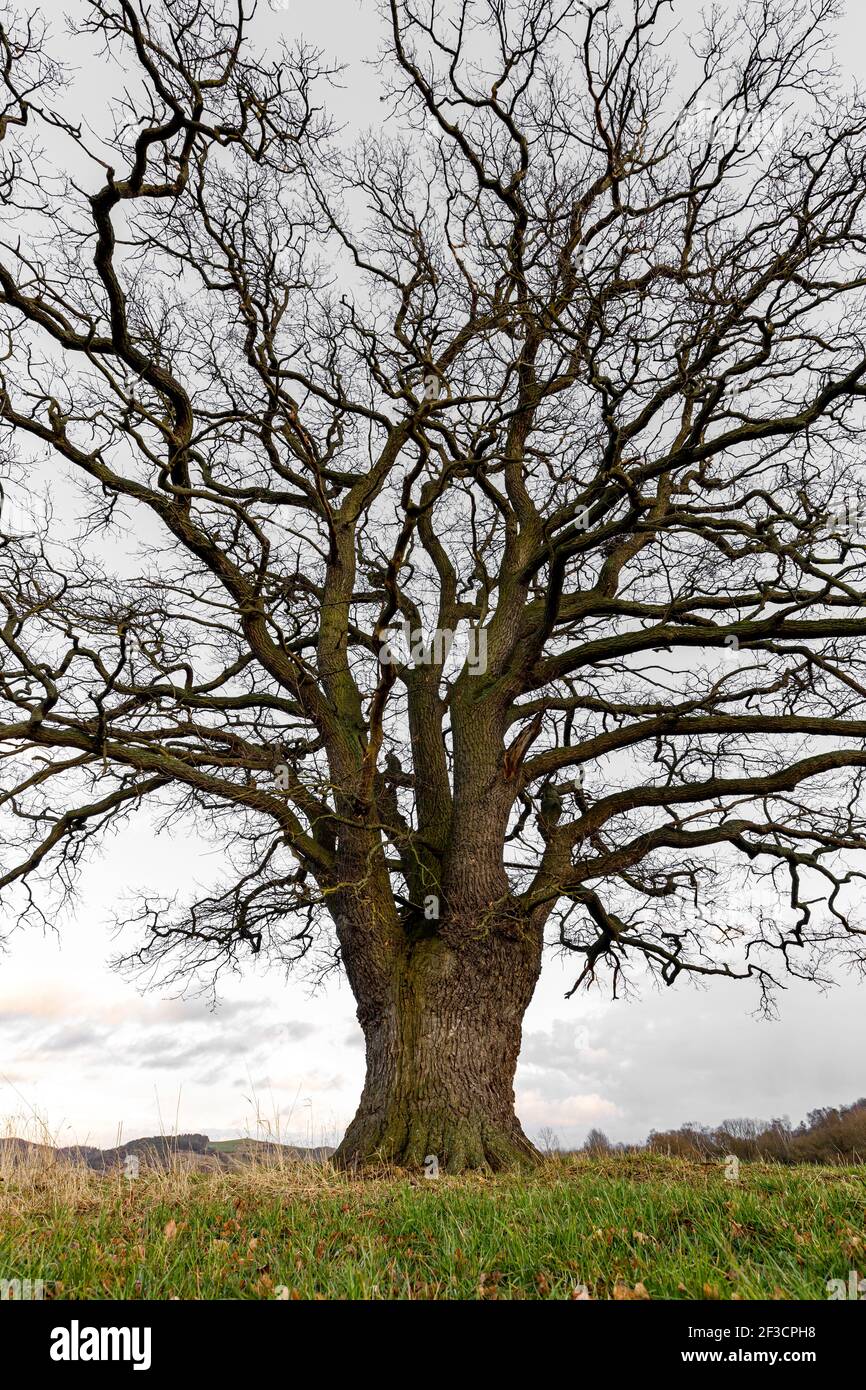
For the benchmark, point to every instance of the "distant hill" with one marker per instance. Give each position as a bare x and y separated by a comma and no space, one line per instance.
249,1150
163,1151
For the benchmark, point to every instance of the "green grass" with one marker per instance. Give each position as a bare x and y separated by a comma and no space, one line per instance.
677,1228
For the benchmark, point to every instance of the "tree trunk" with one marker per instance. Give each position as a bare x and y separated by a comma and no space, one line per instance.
441,1056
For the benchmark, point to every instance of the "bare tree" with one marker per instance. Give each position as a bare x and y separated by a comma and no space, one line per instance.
548,1141
469,515
597,1142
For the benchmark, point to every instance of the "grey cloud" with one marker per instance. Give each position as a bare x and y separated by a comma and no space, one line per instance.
298,1029
74,1037
698,1055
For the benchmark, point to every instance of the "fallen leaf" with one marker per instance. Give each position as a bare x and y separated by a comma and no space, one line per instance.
621,1291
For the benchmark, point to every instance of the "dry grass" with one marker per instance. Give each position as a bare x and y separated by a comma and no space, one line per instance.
622,1226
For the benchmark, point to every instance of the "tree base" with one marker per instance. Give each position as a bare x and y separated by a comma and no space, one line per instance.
454,1144
441,1058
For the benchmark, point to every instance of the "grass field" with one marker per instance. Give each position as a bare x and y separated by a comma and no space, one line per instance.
624,1226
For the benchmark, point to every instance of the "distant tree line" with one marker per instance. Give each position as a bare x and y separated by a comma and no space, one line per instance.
832,1134
828,1135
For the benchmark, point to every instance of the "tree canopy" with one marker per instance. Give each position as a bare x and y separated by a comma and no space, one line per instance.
469,510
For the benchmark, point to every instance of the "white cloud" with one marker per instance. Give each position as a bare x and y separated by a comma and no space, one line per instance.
585,1111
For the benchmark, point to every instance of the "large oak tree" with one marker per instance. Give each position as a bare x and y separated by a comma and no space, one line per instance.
564,361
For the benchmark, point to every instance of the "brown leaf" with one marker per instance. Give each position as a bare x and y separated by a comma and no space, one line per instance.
622,1291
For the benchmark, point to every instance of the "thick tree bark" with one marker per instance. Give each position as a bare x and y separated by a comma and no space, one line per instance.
441,1056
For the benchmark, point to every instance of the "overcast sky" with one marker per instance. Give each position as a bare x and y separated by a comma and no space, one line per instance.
86,1055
